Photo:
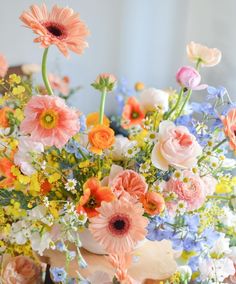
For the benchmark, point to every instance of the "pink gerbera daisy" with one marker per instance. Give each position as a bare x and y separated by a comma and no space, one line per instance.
61,27
3,66
49,121
119,226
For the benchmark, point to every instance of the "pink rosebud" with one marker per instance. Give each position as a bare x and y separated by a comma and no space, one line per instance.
189,78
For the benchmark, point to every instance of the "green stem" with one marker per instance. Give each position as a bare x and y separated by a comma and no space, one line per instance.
213,149
218,197
44,72
198,64
185,102
102,106
176,105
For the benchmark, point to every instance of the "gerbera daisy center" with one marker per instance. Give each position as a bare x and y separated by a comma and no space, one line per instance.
48,119
55,29
119,225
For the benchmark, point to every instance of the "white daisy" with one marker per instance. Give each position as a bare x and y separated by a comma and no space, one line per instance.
71,184
151,137
181,207
144,168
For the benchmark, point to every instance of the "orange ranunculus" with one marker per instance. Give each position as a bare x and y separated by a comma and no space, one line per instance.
132,113
92,119
4,121
153,203
101,137
93,195
45,187
229,122
7,178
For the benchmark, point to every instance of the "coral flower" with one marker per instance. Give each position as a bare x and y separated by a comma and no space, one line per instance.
4,119
61,27
132,113
119,225
131,182
206,56
92,119
101,137
230,127
49,121
153,203
7,178
3,66
60,84
93,195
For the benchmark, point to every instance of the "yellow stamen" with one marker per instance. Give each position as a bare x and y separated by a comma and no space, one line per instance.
48,119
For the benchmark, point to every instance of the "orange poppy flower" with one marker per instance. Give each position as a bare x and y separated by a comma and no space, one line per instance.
4,121
93,196
6,177
132,113
153,203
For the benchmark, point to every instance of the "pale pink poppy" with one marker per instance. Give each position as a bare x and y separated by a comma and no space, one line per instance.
61,27
60,84
49,120
3,66
176,146
119,226
208,57
129,181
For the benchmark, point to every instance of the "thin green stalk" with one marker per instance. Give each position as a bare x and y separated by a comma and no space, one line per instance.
214,148
102,106
176,105
185,102
198,64
44,72
218,197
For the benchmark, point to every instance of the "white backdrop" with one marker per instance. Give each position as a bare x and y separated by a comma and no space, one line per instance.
139,39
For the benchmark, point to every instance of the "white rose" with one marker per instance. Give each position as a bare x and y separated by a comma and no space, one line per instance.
150,98
119,146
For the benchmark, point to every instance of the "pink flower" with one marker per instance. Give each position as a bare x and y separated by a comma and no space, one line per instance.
21,270
189,78
192,190
176,146
210,184
129,181
3,66
105,81
106,76
60,84
207,56
49,121
119,226
229,122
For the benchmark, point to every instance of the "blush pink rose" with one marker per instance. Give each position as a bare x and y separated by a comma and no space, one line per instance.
176,146
192,191
21,270
131,182
189,78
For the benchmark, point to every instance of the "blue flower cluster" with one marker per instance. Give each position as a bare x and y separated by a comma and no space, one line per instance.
73,147
123,90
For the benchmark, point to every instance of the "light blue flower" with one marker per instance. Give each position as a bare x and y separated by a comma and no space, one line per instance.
58,274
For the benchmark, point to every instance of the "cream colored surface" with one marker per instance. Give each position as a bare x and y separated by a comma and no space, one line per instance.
154,261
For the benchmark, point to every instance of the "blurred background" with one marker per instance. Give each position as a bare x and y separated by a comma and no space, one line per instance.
138,40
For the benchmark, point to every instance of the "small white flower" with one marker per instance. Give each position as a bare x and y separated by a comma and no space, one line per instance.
43,165
144,168
185,271
151,137
71,184
69,207
46,201
181,207
131,150
178,175
221,246
82,217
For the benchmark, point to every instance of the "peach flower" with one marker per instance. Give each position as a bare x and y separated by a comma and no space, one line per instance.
153,203
229,122
208,57
3,66
129,181
192,191
21,270
49,121
210,184
176,146
60,84
4,120
92,119
132,113
101,137
61,27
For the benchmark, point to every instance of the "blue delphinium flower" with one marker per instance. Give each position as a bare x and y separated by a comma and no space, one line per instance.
216,92
209,236
72,147
82,120
58,274
122,91
192,222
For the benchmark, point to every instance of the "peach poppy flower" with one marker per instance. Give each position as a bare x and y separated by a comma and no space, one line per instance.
229,122
92,119
93,195
101,137
49,121
60,84
3,66
130,181
153,203
8,178
132,113
61,27
119,226
4,112
207,56
22,270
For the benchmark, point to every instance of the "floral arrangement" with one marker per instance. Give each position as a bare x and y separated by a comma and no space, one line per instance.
63,173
